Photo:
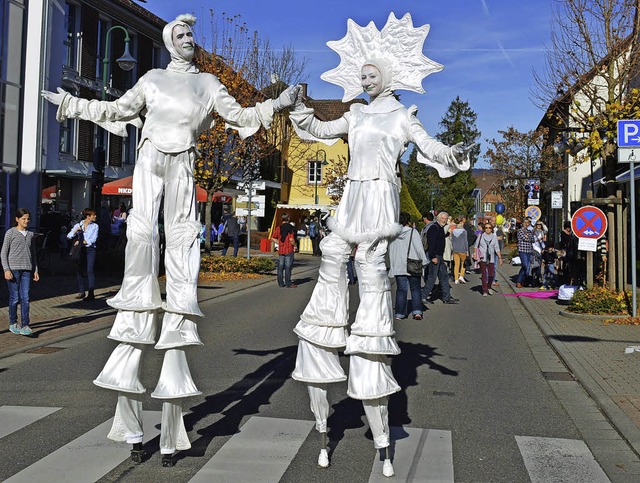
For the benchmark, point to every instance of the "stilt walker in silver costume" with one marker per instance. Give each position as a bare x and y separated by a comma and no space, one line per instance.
179,102
377,62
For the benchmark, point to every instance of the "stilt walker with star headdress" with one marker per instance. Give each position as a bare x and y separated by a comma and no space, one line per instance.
378,62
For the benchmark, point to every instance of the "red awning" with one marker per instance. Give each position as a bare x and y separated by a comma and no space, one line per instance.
49,193
222,197
123,187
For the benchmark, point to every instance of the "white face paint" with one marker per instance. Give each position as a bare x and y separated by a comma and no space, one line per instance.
371,80
183,41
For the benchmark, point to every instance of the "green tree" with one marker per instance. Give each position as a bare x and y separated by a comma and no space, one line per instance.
422,182
407,204
459,126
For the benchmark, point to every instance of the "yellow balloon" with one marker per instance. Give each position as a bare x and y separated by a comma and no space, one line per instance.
499,220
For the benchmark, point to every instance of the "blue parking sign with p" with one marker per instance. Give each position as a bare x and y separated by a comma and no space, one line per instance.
629,133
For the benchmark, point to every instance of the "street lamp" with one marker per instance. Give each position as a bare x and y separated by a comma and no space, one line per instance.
126,62
317,167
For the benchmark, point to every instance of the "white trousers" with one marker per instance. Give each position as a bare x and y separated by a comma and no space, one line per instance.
138,300
322,330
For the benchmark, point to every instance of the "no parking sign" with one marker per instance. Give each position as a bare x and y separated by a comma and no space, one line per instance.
589,224
533,212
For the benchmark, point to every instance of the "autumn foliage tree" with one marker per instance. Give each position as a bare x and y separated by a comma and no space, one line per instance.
336,178
252,72
517,157
592,66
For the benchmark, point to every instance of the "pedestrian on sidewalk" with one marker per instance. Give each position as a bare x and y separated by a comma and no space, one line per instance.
20,266
284,235
231,233
406,245
437,269
525,248
84,269
550,261
460,246
487,251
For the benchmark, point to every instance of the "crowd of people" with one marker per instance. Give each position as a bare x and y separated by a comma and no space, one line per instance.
449,247
545,265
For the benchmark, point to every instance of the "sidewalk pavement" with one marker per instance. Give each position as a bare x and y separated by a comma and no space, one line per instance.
594,352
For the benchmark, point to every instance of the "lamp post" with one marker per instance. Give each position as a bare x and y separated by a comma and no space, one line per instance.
126,61
316,165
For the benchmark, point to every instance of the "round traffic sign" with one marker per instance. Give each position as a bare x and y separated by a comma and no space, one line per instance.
533,212
589,222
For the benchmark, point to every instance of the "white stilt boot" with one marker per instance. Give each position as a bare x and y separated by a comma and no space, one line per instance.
387,466
323,458
320,409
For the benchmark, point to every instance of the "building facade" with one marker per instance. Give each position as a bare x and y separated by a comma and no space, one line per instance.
14,185
83,42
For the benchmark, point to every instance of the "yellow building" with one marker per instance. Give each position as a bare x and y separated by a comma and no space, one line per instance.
313,171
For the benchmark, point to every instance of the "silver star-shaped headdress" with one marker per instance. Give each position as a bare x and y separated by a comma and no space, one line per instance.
399,43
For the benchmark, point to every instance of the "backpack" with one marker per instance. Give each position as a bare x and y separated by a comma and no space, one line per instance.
425,240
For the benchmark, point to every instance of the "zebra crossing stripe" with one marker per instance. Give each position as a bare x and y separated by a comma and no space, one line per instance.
13,418
424,455
260,452
87,458
554,459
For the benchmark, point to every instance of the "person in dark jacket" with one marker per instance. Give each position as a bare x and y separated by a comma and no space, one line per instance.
231,234
436,268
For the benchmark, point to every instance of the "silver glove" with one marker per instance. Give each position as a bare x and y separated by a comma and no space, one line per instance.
55,98
287,98
460,151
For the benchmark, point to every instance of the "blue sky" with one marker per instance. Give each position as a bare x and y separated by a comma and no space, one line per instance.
489,48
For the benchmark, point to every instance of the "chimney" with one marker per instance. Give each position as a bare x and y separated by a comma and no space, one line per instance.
304,89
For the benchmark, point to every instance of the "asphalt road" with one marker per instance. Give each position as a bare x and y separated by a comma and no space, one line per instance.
466,373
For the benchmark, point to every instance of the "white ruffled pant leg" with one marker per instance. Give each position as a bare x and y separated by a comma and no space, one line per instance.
322,326
377,412
140,290
182,229
127,421
139,301
372,340
173,435
319,405
372,334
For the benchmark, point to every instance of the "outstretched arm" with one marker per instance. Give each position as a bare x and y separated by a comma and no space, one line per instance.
447,160
310,128
111,115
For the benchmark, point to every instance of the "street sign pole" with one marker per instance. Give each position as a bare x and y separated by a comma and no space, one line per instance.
632,195
629,137
249,192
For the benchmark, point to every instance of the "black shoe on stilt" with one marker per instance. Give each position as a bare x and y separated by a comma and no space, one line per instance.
137,453
167,460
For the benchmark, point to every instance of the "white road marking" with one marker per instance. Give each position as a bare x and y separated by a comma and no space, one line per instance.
551,460
424,455
87,458
13,418
260,452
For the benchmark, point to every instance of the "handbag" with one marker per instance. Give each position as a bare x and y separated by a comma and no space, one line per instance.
414,267
76,248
